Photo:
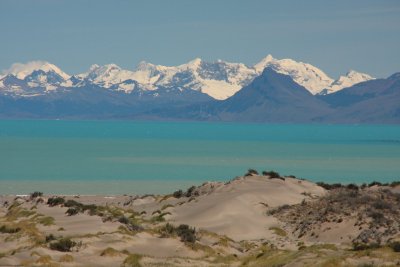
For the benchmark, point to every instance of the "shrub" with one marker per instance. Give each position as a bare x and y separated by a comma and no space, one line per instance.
63,245
251,172
363,246
395,246
9,230
377,217
36,194
190,192
72,203
186,233
329,186
167,230
178,194
124,220
50,237
55,201
271,174
352,187
72,211
394,184
381,205
91,208
374,183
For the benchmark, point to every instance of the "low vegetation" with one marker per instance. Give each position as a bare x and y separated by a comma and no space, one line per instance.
36,194
251,172
63,245
186,233
55,201
376,214
272,175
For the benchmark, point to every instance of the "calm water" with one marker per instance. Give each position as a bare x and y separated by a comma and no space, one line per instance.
116,157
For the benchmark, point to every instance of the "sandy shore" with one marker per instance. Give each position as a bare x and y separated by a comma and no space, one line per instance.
253,220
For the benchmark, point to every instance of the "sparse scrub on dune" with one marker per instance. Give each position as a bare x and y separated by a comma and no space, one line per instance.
178,194
36,194
273,175
329,186
130,224
251,172
371,210
50,238
63,245
9,229
395,245
72,211
186,233
55,201
191,192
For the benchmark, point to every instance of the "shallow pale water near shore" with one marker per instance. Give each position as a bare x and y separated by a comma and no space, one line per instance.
118,157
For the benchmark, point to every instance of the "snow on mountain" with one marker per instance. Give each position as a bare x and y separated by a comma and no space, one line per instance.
104,76
21,71
351,78
219,79
310,77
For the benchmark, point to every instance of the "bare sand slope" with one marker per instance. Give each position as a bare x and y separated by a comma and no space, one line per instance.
238,208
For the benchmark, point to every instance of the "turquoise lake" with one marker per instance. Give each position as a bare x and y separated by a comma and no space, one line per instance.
126,157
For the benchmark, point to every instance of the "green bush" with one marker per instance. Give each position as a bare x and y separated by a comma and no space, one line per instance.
395,246
55,201
72,203
251,172
186,233
9,230
72,211
36,194
63,245
50,238
272,174
124,220
178,194
329,186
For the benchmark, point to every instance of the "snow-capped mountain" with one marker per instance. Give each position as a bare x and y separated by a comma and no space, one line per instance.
32,79
352,77
104,76
219,79
308,76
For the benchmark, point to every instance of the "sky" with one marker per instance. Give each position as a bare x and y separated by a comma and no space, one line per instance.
335,36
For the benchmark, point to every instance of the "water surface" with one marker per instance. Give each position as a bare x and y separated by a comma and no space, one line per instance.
116,157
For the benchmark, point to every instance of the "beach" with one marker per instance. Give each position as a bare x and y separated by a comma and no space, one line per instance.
253,220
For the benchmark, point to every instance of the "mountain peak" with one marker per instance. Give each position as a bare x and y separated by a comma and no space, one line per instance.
263,63
21,70
194,63
351,78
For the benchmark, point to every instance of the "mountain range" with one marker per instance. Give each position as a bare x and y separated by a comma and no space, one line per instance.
273,90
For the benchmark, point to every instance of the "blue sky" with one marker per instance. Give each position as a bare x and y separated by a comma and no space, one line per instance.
333,35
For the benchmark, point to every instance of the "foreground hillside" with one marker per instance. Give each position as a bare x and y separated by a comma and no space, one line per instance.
254,220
